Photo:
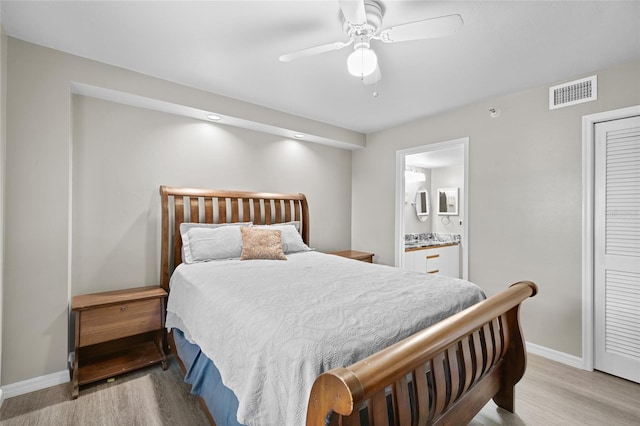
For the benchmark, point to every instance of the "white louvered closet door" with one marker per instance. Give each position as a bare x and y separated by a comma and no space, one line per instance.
617,248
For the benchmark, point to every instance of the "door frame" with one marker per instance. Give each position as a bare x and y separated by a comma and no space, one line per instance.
399,201
588,179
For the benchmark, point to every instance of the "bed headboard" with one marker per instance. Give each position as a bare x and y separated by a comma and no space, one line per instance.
218,206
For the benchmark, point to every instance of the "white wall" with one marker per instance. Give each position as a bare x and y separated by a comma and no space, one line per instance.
525,206
120,157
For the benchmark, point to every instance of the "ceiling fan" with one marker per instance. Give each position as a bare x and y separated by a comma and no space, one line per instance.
361,21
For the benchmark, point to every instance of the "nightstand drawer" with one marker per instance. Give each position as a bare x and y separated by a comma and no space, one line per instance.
120,320
356,255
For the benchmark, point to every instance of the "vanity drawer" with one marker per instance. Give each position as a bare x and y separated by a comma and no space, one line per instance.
433,262
112,322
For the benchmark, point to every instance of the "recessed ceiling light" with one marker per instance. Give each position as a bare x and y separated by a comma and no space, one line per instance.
298,136
213,117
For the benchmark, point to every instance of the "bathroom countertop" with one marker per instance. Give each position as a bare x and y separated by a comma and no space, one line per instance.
418,241
426,244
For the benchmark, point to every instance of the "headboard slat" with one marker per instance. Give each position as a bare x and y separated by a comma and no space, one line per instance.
278,210
246,210
211,206
257,211
287,210
267,212
194,206
178,219
208,210
235,214
222,210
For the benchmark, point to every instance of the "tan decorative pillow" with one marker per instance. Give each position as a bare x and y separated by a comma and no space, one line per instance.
260,243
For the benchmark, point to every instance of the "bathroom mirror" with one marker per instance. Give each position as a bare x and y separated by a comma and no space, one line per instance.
448,202
422,204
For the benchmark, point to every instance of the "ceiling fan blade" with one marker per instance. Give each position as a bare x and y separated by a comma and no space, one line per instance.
316,50
374,77
419,30
353,11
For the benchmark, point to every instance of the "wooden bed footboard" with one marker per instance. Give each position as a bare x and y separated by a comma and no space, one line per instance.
444,374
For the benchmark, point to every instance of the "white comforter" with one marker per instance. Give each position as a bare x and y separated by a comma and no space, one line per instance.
273,326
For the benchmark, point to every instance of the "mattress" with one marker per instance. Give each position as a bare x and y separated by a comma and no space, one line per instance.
272,327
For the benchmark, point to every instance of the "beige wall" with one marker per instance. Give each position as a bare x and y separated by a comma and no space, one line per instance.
448,177
3,144
524,188
120,156
411,222
524,196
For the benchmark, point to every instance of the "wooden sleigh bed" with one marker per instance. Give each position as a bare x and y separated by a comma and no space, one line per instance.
443,374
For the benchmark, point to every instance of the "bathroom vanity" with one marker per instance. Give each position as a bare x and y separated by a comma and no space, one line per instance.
443,259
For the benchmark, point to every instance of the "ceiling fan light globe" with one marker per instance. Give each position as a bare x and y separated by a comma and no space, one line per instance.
362,62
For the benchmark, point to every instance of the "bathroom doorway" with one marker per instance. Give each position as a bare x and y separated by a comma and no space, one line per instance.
443,165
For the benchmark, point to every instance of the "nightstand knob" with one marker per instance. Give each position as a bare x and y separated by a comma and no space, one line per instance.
123,308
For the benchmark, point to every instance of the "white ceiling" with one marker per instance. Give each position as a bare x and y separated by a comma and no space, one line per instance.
232,48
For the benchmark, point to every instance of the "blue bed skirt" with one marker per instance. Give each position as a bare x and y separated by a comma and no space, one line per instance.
204,378
205,381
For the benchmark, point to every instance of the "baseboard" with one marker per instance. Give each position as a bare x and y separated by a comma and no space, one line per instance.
554,355
35,384
53,379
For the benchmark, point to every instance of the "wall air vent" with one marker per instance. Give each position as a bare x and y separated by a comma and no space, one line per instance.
573,92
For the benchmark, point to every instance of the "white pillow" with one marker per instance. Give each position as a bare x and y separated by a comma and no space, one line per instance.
185,226
204,242
295,223
291,238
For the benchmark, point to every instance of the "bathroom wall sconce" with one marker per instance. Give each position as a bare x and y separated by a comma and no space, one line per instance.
414,175
494,112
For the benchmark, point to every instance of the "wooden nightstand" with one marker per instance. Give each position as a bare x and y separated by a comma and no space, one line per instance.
354,254
116,332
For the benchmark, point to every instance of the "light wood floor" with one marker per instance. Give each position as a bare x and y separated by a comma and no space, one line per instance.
550,394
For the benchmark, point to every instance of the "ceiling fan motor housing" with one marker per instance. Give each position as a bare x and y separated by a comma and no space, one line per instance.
374,11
